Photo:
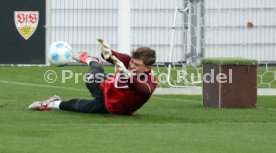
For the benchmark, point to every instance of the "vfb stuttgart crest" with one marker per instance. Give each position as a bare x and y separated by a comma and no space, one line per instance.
26,22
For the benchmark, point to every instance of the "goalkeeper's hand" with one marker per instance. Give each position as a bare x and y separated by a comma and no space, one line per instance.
106,51
120,67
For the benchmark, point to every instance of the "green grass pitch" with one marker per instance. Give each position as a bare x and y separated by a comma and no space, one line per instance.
166,124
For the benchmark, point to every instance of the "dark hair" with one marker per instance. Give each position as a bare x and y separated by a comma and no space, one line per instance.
146,54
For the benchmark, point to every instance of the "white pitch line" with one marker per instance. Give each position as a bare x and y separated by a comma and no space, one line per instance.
39,85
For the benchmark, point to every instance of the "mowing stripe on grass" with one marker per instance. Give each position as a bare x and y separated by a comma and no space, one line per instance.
39,85
74,89
180,100
141,123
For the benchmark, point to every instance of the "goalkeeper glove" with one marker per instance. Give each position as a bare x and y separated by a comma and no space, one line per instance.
106,51
120,67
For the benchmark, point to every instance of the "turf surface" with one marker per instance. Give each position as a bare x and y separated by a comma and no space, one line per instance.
167,123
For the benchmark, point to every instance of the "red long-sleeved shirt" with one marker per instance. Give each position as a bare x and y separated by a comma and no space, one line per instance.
128,100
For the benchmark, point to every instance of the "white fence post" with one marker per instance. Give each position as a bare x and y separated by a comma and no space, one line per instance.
124,26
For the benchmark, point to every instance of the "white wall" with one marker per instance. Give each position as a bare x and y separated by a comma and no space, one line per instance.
227,34
80,22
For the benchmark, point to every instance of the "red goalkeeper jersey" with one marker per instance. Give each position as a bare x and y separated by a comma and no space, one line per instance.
128,96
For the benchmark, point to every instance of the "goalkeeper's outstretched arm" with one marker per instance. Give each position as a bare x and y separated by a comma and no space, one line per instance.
106,53
124,58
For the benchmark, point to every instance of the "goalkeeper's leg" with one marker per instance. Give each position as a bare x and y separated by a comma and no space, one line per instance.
93,84
94,79
84,106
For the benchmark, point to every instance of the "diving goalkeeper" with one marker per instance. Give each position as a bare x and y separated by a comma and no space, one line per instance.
123,94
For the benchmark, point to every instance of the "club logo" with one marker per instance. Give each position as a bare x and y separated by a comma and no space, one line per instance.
26,22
